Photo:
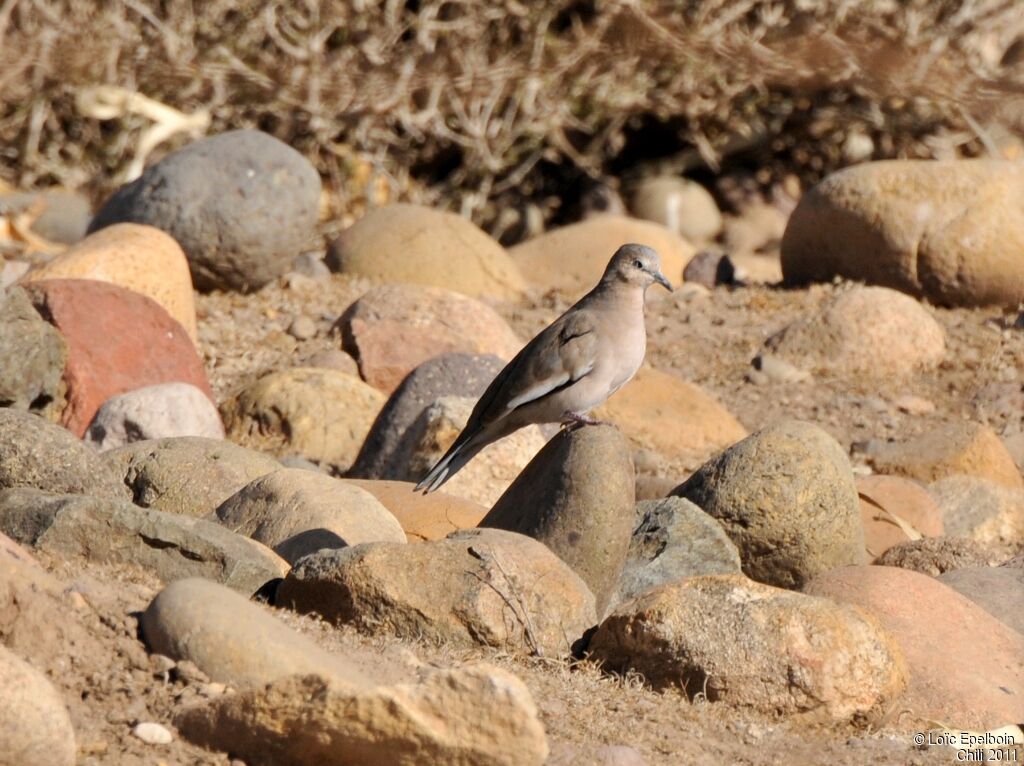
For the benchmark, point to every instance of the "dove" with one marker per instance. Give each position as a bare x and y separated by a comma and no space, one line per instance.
570,367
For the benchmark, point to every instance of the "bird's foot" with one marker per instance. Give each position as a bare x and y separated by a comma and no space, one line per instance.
575,420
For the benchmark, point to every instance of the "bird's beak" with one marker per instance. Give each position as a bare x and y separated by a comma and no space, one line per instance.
660,279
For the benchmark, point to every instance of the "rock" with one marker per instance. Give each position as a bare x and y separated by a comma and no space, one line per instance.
477,716
139,258
997,590
786,497
476,587
577,496
867,332
710,268
945,230
754,269
423,517
36,453
332,359
241,204
488,474
572,258
387,450
11,271
681,205
982,510
765,648
296,512
117,341
106,531
154,472
232,640
321,415
153,733
64,214
391,330
154,412
410,244
302,328
758,228
935,555
769,368
661,412
674,540
966,669
885,501
32,357
311,265
35,729
946,450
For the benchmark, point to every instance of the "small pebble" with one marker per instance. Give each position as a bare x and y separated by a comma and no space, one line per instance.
302,328
311,265
153,733
772,369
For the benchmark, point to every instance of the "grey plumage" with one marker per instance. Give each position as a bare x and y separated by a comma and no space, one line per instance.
570,367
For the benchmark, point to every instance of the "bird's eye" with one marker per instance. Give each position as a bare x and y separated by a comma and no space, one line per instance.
638,263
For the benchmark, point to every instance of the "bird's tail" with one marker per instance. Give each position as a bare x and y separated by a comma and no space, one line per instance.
460,453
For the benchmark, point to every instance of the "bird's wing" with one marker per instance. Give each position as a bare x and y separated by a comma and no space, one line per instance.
559,356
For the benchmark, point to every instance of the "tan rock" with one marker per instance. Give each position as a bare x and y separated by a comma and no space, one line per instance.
140,258
664,413
391,330
482,586
295,512
869,332
35,729
935,555
885,501
487,475
765,648
418,245
982,510
953,448
757,269
477,716
423,517
680,205
319,414
950,231
758,227
573,257
966,667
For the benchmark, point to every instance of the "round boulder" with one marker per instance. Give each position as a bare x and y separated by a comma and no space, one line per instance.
32,357
318,414
140,258
154,412
986,511
240,204
35,729
680,205
296,512
951,231
868,332
786,497
417,245
893,509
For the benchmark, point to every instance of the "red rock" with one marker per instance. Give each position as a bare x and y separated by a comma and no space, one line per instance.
966,667
901,497
118,340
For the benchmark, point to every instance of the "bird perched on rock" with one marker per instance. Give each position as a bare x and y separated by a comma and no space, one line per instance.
572,366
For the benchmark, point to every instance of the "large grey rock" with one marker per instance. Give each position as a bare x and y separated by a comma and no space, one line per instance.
233,640
32,357
154,412
997,590
750,645
35,729
787,498
116,532
187,474
240,204
388,448
673,540
577,496
481,586
296,511
37,453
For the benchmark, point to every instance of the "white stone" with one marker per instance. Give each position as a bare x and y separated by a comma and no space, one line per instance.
154,412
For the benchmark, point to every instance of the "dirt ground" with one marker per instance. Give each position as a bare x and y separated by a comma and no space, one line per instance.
708,339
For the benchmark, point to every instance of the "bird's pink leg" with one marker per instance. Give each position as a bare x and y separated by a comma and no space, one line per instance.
575,419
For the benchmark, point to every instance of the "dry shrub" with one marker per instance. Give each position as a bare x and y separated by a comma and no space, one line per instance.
483,106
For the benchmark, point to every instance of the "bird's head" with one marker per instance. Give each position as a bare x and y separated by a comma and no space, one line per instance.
636,265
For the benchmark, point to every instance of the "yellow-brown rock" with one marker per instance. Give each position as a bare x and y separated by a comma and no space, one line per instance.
137,257
423,517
